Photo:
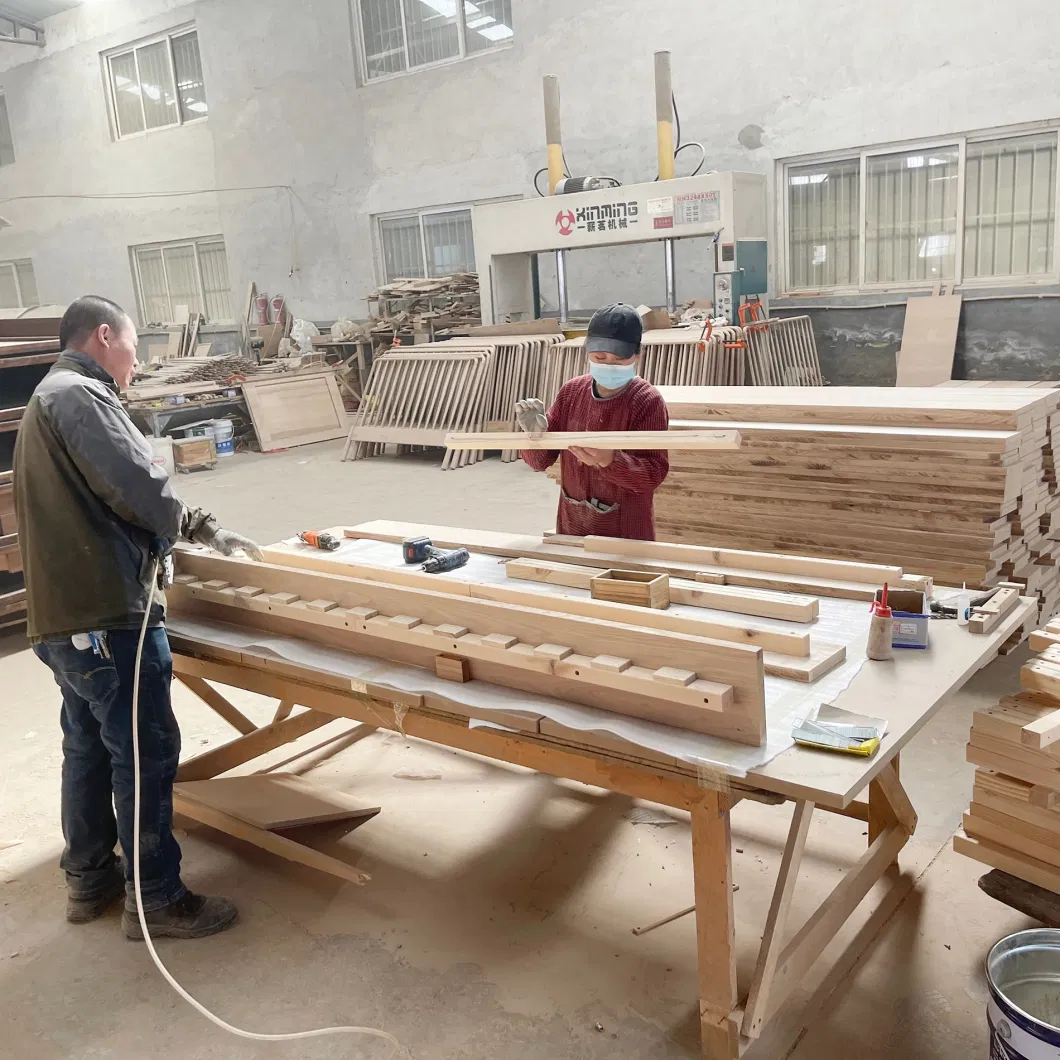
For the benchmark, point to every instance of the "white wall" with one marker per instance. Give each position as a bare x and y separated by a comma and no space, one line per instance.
286,109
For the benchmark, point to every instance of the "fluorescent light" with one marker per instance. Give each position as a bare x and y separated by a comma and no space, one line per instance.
914,162
807,178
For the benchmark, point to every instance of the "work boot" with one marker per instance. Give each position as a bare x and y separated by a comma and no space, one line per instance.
192,917
83,910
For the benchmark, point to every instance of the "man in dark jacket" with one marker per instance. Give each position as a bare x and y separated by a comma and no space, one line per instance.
94,513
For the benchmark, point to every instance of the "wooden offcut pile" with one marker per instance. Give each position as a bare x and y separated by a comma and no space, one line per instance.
420,307
1013,822
956,483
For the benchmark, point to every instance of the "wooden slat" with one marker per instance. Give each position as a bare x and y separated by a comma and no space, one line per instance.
629,440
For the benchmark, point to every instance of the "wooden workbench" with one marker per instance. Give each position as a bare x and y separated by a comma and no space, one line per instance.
906,692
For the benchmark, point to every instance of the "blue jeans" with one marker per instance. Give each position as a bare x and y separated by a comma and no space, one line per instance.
98,764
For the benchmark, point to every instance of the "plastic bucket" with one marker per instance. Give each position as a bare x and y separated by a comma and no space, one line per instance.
162,453
1023,1013
224,437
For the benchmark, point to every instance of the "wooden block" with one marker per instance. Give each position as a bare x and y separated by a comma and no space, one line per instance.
215,585
612,663
986,618
321,605
363,613
710,577
672,676
499,640
634,587
553,651
185,579
248,591
283,599
448,629
1044,798
1042,676
452,668
404,621
1008,860
1043,731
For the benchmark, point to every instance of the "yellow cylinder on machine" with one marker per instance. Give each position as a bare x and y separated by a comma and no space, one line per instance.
553,136
664,113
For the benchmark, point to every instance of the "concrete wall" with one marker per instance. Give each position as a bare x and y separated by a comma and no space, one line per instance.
286,109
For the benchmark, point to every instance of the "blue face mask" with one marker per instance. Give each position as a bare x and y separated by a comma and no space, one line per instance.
612,376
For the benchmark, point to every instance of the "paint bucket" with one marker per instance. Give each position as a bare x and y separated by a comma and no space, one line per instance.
224,437
162,453
1023,974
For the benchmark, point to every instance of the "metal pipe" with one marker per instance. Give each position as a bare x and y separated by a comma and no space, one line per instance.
671,275
664,115
553,135
561,284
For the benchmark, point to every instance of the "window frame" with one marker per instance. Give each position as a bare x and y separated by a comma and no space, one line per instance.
961,142
13,264
461,31
167,36
195,242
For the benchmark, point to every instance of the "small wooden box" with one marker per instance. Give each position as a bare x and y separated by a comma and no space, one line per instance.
193,453
639,588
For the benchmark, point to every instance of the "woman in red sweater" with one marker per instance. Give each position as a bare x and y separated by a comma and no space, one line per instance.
604,492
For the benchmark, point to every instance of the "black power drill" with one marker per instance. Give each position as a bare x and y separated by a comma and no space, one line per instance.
434,560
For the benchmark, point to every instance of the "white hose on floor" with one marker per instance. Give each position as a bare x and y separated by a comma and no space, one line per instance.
293,1035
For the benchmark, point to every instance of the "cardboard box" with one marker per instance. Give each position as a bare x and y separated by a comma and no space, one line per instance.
194,452
653,319
911,623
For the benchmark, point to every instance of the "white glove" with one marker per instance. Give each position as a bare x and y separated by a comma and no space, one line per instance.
227,542
531,417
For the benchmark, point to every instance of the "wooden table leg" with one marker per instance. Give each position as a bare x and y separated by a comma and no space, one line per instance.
715,927
882,813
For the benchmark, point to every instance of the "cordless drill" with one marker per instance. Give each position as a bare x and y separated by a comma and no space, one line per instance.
434,560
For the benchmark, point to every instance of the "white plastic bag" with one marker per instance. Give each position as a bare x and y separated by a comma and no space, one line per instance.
302,334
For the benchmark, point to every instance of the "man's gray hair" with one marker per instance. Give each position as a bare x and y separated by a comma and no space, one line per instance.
85,314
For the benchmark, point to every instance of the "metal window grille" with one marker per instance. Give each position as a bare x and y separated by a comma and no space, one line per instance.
1010,206
823,213
399,35
157,84
192,273
18,285
427,244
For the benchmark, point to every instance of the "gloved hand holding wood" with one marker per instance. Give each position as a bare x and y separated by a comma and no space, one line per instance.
227,542
531,416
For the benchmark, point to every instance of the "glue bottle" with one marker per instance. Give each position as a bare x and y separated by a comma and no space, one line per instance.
964,605
881,630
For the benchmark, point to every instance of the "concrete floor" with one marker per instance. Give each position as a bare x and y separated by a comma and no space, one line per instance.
497,923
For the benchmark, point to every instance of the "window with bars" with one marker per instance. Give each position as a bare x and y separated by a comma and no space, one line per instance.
967,209
156,83
402,35
430,243
7,145
185,272
18,285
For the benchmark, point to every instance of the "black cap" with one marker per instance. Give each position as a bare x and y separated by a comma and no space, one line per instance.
615,329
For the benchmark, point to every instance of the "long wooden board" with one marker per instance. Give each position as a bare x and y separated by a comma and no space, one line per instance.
543,643
693,439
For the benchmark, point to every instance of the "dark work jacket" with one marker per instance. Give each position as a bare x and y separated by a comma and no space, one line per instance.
90,503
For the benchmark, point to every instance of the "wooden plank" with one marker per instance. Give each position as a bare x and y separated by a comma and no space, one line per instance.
785,642
1026,868
721,663
1027,898
760,603
1043,731
221,759
275,800
295,409
986,617
715,926
270,841
757,1007
874,574
625,440
928,340
213,699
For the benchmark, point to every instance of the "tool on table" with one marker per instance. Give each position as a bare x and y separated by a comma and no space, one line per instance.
880,644
434,560
320,539
963,603
835,729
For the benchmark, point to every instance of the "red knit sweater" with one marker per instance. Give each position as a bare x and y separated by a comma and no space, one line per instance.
631,479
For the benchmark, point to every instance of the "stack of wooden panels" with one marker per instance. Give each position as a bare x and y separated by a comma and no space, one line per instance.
666,675
416,395
1013,822
782,351
957,483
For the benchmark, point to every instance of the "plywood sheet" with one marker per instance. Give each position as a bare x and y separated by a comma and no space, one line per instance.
928,340
296,410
